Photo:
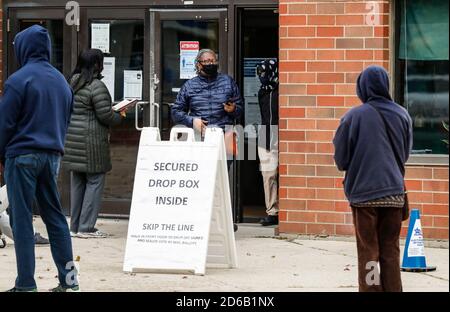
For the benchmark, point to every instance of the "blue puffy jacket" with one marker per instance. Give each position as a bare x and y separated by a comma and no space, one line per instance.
203,98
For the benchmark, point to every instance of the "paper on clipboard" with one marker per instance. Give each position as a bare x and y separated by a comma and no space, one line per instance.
125,104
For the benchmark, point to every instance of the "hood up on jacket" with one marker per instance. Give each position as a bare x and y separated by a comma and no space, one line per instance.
267,72
32,43
373,84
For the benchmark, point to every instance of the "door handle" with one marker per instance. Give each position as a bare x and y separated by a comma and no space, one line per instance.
136,114
154,120
155,81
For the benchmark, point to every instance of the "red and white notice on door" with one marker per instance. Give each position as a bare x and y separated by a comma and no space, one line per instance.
188,53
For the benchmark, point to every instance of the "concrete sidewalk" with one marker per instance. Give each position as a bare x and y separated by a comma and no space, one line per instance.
266,263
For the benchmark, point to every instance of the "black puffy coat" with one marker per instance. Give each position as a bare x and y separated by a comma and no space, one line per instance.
87,142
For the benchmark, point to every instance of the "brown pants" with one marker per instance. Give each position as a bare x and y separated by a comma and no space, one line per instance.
377,240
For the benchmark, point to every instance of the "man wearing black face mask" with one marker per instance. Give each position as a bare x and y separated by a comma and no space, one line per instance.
210,99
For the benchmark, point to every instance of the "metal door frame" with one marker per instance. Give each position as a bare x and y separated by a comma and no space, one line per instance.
156,17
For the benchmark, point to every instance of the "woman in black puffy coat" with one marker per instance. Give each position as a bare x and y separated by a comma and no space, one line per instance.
87,153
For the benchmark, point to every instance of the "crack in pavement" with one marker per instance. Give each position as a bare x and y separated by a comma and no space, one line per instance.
322,249
436,277
346,255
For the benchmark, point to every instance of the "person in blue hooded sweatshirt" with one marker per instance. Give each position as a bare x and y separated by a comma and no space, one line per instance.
34,115
374,177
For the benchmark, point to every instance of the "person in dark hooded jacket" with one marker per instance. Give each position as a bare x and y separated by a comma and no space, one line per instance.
87,146
34,115
374,180
267,72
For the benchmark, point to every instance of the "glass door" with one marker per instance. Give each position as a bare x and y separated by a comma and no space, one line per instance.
258,39
120,34
62,35
176,36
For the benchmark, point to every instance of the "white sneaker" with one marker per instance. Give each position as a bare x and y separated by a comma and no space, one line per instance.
73,234
96,234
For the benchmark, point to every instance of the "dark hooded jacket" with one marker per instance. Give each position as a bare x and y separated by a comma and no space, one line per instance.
37,101
87,145
362,146
268,104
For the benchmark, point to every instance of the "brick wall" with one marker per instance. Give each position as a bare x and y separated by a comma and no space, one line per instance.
324,45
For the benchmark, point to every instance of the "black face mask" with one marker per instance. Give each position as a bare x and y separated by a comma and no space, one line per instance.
210,69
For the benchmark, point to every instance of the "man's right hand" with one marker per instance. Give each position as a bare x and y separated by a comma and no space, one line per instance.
200,125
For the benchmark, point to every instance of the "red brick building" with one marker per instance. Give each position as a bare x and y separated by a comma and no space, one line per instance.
323,46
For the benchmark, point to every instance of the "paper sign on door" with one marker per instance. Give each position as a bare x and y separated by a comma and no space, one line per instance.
188,54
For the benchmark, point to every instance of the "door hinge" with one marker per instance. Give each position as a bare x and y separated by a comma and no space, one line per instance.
226,24
8,25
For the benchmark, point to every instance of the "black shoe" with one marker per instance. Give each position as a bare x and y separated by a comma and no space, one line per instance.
235,226
269,220
39,240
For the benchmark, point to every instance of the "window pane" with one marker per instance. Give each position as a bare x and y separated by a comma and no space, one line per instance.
174,31
424,30
426,98
127,46
422,83
205,32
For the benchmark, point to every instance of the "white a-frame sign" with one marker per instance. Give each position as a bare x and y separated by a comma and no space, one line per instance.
181,216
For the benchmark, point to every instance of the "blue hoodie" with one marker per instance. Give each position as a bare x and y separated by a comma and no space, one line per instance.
362,146
37,101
